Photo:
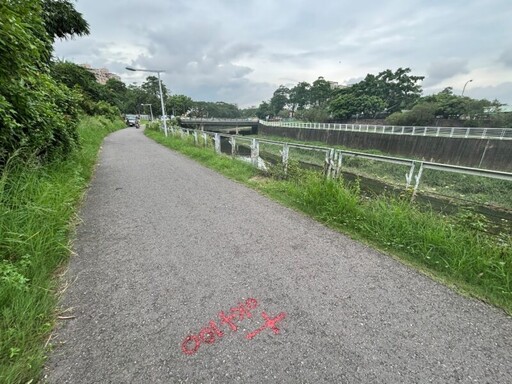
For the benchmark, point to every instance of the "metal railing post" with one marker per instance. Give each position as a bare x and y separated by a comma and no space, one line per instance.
255,152
409,176
285,153
217,142
418,179
340,163
232,141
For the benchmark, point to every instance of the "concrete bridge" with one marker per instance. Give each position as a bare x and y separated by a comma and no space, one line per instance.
247,126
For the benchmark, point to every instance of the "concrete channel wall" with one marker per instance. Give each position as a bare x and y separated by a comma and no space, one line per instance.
470,152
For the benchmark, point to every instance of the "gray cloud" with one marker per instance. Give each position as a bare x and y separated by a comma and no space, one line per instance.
444,69
506,57
500,92
240,51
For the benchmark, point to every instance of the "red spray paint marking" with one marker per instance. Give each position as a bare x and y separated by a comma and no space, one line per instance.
269,323
210,333
184,345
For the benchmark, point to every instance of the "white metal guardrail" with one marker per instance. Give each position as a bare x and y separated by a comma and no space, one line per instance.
216,120
458,132
333,164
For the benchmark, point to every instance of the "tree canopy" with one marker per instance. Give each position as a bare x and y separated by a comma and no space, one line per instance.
386,92
179,104
36,113
399,90
345,105
62,20
40,101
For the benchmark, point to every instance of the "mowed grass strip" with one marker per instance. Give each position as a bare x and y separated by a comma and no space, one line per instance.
444,248
38,206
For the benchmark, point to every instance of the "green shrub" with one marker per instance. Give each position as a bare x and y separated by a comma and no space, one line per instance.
37,204
420,114
37,114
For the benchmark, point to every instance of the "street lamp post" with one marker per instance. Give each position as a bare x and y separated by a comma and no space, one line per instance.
463,89
157,71
150,111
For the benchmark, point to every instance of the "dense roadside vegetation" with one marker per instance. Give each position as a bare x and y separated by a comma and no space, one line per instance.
450,251
37,208
53,117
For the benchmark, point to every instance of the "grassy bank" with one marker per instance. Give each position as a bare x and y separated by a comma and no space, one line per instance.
38,205
450,251
462,188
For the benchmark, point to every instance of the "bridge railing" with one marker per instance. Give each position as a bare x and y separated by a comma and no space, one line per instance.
458,132
335,161
216,120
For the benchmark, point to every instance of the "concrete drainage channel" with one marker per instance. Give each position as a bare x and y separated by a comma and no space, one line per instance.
262,153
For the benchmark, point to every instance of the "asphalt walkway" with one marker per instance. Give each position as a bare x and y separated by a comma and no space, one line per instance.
182,275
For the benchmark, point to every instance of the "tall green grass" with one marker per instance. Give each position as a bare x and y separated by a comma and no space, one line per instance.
205,154
449,250
38,207
466,188
446,248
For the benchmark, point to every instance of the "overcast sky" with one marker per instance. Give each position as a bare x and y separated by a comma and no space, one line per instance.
240,51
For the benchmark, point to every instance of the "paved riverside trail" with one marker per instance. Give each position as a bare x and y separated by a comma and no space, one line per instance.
169,249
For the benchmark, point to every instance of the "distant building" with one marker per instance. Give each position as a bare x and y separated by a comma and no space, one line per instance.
335,85
102,74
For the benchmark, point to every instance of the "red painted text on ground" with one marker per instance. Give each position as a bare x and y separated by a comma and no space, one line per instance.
229,321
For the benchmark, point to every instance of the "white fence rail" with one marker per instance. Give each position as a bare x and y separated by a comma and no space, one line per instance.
458,132
334,158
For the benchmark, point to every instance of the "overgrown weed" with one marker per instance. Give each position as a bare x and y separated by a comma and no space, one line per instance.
37,207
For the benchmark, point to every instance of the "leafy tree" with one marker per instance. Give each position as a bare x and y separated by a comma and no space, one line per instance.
397,89
454,106
421,114
227,110
73,75
475,108
150,86
314,114
179,104
279,100
96,96
320,92
448,104
104,108
135,97
21,26
117,93
248,113
263,110
152,94
37,115
214,109
345,106
62,20
299,96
